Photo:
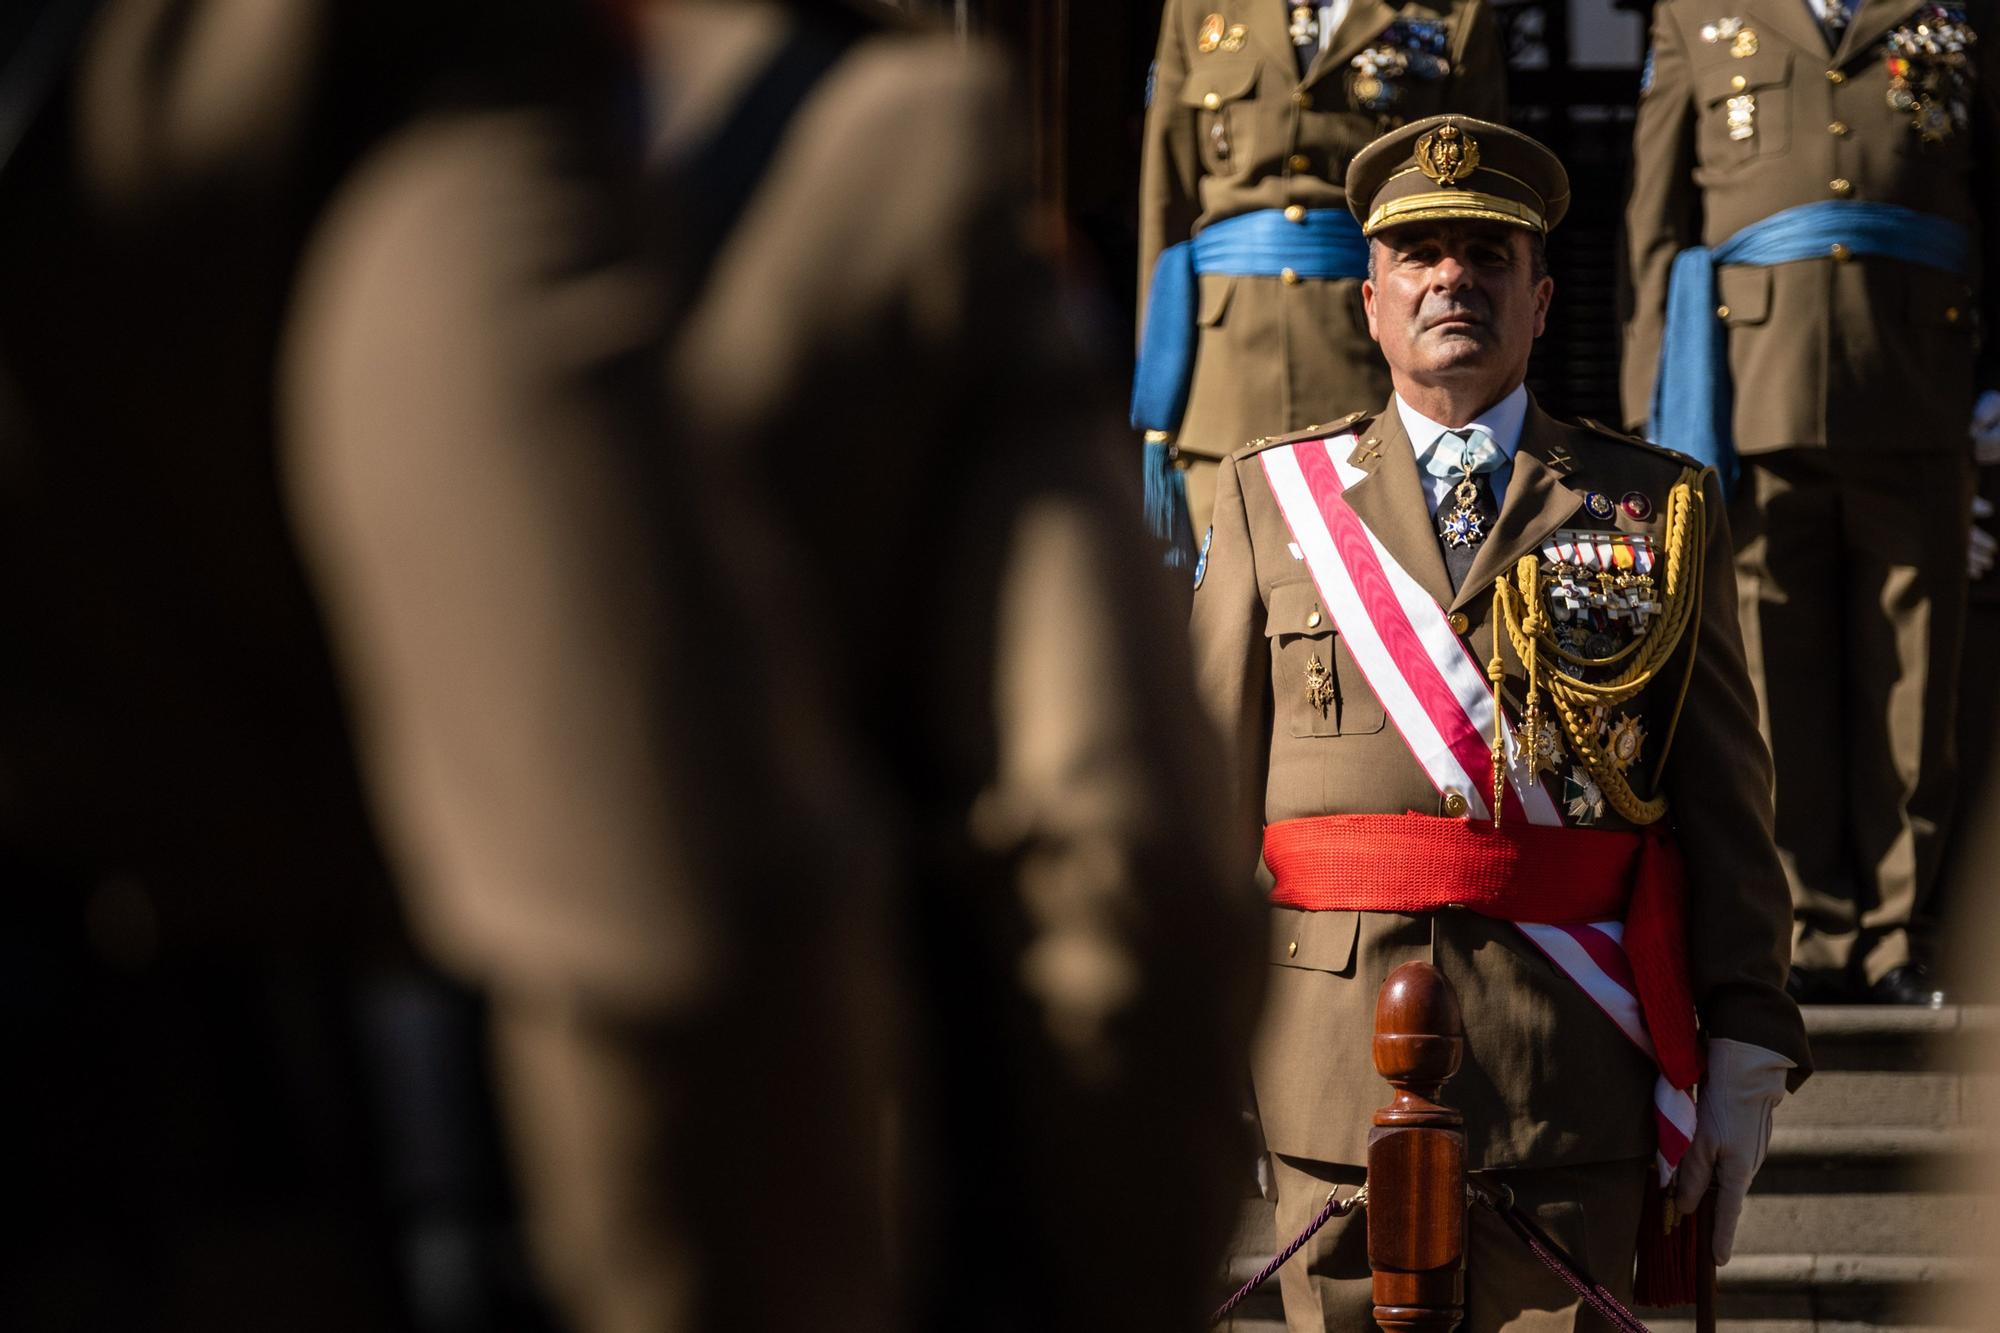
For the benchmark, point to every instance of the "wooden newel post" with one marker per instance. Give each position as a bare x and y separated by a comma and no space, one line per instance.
1416,1157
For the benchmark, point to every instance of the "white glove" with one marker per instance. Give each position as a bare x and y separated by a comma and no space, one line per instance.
1982,546
1986,428
1745,1083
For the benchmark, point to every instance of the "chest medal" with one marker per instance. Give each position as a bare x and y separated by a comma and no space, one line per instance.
1930,71
1305,25
1407,49
1606,610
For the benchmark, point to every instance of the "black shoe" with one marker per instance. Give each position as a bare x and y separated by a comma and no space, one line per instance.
1911,984
1816,985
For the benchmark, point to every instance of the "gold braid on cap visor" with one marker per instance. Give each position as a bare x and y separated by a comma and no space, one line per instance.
1452,204
1456,202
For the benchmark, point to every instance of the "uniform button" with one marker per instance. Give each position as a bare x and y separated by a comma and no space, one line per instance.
1312,621
1838,127
1295,213
1739,83
1303,98
1722,312
1299,162
1951,314
1290,275
1455,805
1212,101
1460,622
1841,254
1841,186
1292,949
1835,76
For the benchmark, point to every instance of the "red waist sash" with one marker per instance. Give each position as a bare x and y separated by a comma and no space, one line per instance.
1519,872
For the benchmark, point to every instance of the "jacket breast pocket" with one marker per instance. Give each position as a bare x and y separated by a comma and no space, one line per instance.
1746,109
1315,683
1221,94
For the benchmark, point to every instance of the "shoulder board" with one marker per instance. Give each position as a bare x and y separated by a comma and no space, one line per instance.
1353,421
1625,437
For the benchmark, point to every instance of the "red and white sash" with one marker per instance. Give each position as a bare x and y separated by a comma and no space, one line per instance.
1438,696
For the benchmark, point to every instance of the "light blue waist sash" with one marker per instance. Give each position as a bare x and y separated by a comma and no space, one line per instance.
1693,399
1326,243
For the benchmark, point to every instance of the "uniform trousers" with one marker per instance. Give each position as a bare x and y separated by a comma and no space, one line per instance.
1591,1210
1851,579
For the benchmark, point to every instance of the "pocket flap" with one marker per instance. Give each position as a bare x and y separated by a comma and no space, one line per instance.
1744,290
1317,941
1293,608
1766,69
1215,290
1224,80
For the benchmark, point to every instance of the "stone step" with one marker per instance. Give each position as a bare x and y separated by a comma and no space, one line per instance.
1768,1293
1837,1146
1776,1293
1830,1293
1891,1066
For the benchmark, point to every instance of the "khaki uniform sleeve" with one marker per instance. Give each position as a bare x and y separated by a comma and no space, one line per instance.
456,484
1232,672
1168,168
1479,68
1662,211
1718,786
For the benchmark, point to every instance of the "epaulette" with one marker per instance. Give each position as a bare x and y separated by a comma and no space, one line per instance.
1626,437
1351,422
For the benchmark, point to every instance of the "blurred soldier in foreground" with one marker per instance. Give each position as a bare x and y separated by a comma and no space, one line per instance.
227,1111
1816,187
1453,642
916,999
1249,266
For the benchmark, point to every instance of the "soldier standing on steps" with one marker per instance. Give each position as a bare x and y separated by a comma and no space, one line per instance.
1249,266
1816,190
1451,645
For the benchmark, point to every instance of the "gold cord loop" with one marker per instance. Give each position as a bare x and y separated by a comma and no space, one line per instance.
1519,609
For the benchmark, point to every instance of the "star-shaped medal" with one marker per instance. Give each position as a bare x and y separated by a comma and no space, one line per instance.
1462,527
1546,751
1586,802
1624,742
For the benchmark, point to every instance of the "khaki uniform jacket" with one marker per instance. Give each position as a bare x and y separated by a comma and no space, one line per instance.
1860,353
1236,129
1547,1079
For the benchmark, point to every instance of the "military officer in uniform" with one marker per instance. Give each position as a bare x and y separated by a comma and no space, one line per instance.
1249,267
1814,184
1482,687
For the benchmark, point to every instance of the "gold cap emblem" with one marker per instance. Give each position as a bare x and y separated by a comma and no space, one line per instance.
1447,154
